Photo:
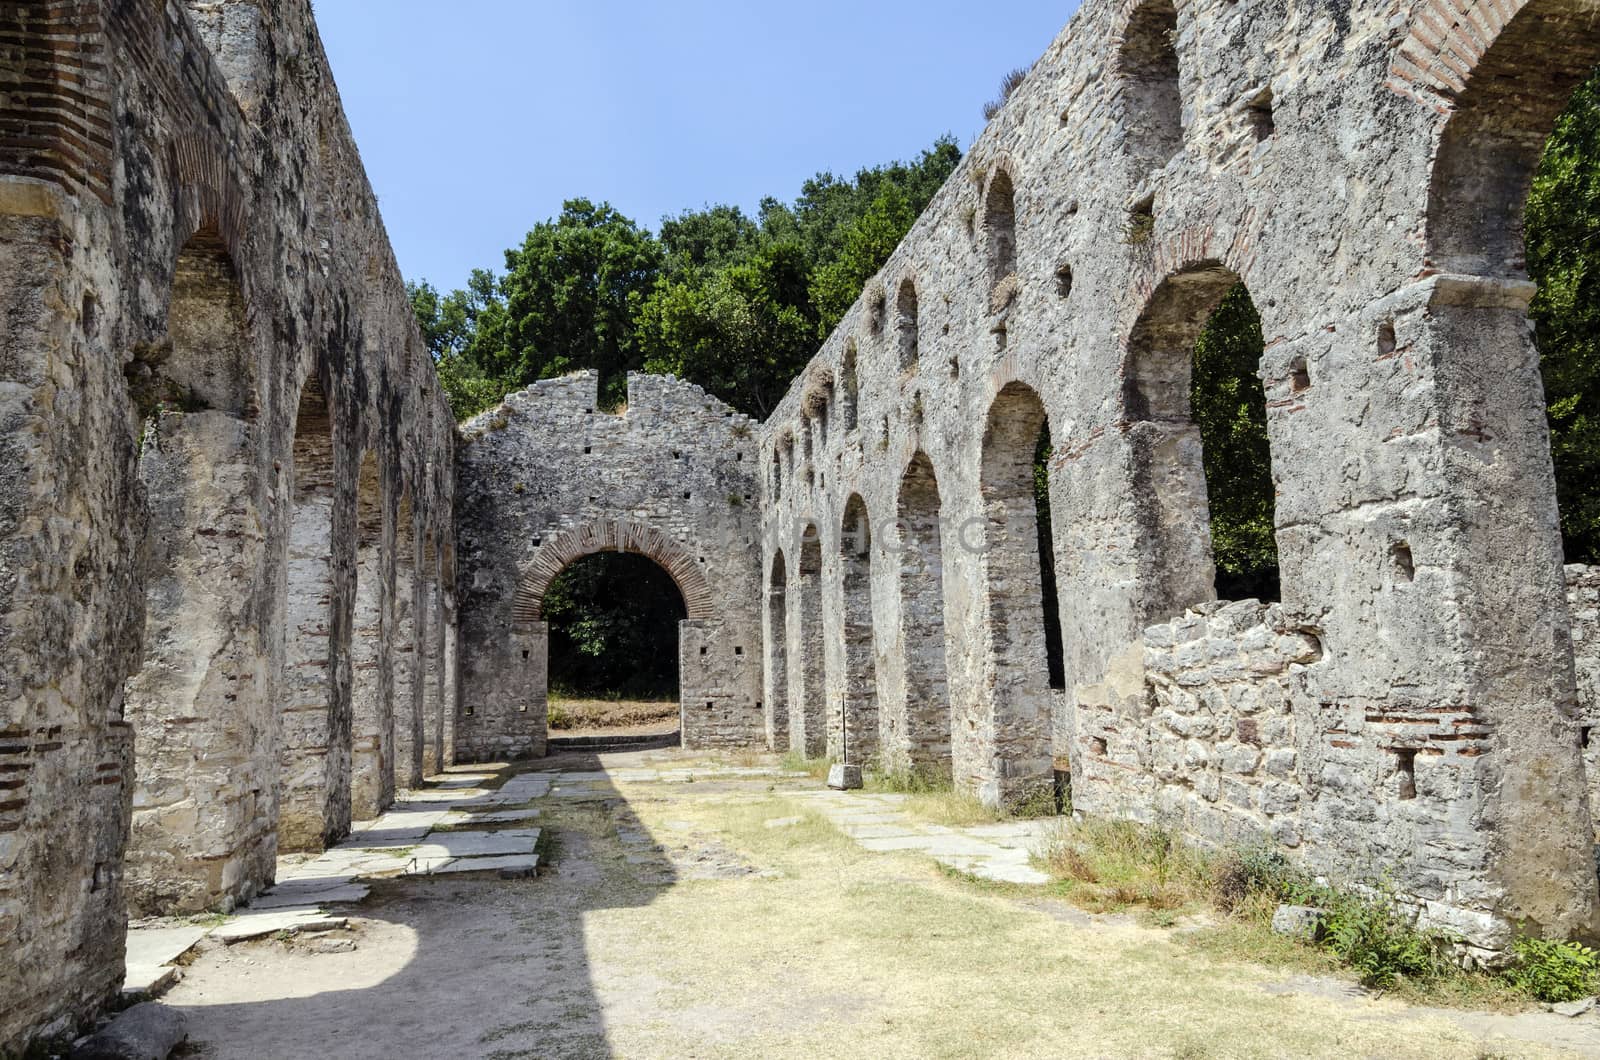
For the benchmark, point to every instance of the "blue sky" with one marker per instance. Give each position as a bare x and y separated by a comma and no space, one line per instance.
477,118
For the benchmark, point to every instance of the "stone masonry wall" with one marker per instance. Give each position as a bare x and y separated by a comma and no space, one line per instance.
186,237
548,478
1583,600
1194,727
1361,169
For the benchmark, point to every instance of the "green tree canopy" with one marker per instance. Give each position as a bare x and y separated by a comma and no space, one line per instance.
733,303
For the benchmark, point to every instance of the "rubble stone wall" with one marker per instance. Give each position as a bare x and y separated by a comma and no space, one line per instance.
1361,169
548,478
186,238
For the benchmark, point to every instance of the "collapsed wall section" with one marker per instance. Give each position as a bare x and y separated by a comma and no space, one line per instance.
549,478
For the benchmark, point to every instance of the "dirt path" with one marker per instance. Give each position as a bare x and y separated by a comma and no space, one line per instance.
695,909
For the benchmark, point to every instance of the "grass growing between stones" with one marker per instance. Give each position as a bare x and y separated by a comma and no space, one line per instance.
1119,866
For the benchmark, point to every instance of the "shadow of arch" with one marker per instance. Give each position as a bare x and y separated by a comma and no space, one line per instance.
609,535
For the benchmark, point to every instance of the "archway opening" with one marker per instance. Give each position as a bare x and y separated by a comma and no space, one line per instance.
1018,560
916,723
807,693
1152,103
314,786
408,737
776,711
614,647
372,779
1563,258
1205,491
853,728
201,716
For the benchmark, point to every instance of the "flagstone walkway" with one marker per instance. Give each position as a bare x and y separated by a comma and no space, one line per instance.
1000,852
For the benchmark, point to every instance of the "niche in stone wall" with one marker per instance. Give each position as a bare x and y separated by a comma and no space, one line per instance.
907,325
850,388
1000,228
1151,102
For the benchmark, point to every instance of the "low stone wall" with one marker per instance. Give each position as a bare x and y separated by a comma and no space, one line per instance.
1194,727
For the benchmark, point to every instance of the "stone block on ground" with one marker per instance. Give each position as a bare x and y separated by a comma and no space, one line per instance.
150,1031
148,980
843,777
340,894
157,946
1300,921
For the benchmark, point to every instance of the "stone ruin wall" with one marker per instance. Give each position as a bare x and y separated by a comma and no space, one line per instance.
193,272
1583,600
547,478
1361,168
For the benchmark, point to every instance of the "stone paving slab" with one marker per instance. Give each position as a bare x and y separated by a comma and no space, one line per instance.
878,831
456,796
1001,851
158,946
521,864
493,816
346,861
933,844
477,844
259,925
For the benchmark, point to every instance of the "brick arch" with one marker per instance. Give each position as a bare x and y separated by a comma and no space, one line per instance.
212,197
608,535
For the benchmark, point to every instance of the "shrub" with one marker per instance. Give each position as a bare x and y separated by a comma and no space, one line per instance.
1253,872
1554,971
1374,938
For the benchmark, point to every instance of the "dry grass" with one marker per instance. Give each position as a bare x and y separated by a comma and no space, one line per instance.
571,714
1114,866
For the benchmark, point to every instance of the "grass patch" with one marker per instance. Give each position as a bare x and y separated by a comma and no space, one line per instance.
1363,929
1113,866
815,768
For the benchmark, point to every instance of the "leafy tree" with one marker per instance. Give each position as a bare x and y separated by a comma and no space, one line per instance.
868,242
733,303
614,628
1230,409
1563,245
571,293
743,332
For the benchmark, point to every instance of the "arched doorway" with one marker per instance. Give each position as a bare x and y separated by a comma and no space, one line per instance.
629,547
613,647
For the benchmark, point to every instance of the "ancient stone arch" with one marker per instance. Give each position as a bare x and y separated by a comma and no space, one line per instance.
608,535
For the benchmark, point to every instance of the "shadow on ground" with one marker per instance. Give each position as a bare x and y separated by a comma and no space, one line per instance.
463,966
